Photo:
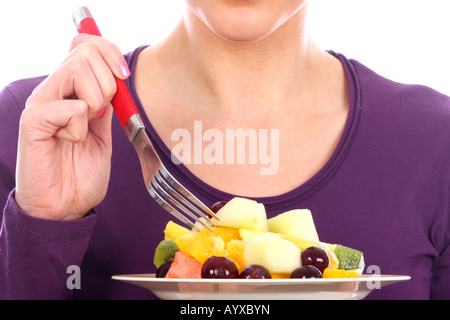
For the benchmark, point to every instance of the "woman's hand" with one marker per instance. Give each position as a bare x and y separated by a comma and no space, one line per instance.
64,151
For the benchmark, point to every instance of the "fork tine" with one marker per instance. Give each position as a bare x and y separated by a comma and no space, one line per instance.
185,197
170,208
192,201
170,194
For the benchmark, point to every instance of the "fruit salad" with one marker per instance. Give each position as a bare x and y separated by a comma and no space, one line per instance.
245,244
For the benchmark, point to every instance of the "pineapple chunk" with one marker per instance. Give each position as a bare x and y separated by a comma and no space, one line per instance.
201,246
174,231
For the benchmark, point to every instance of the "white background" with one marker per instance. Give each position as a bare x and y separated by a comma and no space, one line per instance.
404,40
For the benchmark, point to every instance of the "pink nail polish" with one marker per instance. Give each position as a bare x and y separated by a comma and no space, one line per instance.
124,70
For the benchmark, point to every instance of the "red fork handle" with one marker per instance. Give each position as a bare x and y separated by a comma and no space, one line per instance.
122,101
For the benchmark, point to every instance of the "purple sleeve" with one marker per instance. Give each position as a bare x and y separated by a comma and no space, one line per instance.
35,254
440,280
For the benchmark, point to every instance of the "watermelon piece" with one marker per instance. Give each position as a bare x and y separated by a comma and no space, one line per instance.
184,266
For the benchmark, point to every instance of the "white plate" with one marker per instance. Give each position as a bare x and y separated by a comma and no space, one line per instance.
265,289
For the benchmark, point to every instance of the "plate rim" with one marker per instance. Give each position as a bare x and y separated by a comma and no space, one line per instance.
150,277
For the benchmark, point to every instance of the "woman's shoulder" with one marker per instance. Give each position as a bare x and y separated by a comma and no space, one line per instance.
409,105
405,118
377,89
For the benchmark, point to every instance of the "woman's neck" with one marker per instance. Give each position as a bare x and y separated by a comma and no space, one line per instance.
278,70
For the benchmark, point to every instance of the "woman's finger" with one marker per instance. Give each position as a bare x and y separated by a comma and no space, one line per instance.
110,53
99,68
73,80
66,119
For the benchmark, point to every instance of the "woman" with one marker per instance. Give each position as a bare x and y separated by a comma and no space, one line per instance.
369,157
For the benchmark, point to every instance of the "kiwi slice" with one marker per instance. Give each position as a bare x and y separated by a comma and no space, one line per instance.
165,251
349,259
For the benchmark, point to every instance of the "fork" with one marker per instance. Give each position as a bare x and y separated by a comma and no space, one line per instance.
178,201
162,186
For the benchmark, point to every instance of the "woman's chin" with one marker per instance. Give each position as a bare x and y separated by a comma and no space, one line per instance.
243,30
243,23
240,36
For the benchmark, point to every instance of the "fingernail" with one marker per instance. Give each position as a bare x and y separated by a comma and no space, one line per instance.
124,70
101,113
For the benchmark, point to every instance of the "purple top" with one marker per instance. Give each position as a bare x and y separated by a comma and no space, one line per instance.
385,191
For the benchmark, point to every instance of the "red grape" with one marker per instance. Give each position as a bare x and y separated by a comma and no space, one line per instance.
316,257
308,271
163,269
218,205
219,268
255,271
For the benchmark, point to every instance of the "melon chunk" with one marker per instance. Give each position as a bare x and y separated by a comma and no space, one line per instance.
298,222
247,234
273,252
184,267
243,213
